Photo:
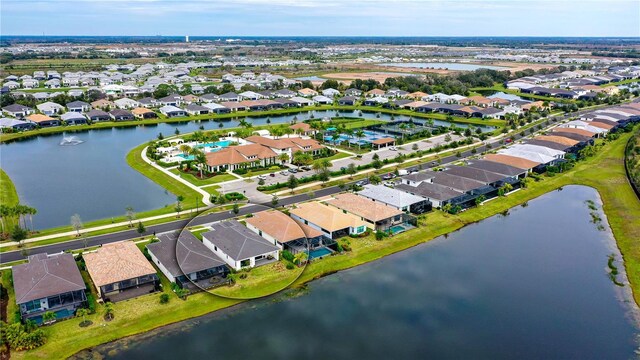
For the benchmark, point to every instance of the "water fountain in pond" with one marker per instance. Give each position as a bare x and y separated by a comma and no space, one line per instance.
70,140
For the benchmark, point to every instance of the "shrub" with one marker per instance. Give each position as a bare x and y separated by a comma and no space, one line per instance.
290,266
21,337
287,255
164,298
232,196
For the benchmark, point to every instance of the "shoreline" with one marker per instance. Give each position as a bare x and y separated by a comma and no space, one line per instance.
624,232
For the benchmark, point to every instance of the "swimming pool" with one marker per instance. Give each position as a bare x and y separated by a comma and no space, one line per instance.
397,229
368,137
318,253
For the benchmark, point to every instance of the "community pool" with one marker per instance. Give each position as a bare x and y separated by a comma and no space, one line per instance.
368,137
318,253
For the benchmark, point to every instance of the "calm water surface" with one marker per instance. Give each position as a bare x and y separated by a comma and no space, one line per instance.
529,285
93,179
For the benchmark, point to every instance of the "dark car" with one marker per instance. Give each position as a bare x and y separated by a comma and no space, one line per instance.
272,174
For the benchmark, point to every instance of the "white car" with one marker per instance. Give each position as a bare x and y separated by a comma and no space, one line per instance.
393,148
262,177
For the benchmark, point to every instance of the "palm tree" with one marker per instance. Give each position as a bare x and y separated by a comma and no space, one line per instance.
4,212
321,165
335,137
82,312
349,133
108,311
300,258
402,127
76,223
359,135
130,215
276,132
185,149
288,131
283,157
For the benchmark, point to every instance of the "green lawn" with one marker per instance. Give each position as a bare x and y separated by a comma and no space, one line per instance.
604,172
8,196
200,182
260,281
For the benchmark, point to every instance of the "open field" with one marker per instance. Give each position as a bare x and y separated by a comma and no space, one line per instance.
604,172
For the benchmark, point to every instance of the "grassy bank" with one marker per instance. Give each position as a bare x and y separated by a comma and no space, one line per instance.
8,196
604,172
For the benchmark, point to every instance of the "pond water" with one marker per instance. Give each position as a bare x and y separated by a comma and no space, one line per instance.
439,65
93,179
530,284
310,78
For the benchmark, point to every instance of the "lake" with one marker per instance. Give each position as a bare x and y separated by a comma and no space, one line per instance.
93,179
439,65
529,284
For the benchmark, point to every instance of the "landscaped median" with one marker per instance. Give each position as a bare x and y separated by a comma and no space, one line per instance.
604,172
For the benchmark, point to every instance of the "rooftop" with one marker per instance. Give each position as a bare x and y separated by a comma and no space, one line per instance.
45,276
326,217
363,207
185,255
389,196
235,240
115,262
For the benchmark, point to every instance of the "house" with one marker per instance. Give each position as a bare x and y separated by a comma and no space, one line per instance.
286,102
534,153
347,100
73,118
15,124
172,111
233,106
120,271
484,176
170,100
375,93
331,221
190,99
238,246
512,161
330,92
284,93
78,106
230,96
185,260
144,113
306,92
48,283
322,100
98,115
377,215
217,108
250,95
396,199
126,103
374,101
302,101
303,129
103,104
17,110
496,167
353,92
121,115
147,102
284,232
240,157
438,195
50,108
43,120
194,109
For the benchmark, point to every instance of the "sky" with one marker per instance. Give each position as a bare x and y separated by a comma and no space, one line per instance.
321,17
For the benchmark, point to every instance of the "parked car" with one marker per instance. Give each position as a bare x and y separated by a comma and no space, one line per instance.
393,148
292,170
262,177
284,172
272,174
362,182
306,168
388,176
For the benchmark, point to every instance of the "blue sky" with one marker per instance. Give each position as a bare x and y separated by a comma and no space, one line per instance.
322,17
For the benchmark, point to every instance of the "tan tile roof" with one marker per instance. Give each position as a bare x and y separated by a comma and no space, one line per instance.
538,104
39,118
102,103
417,95
277,224
600,125
294,143
327,217
383,141
375,92
557,139
303,126
574,131
415,104
307,91
239,154
512,161
363,207
141,110
116,262
481,100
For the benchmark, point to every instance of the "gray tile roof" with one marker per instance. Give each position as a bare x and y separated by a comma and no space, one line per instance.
495,167
235,240
456,182
184,256
429,190
45,276
472,173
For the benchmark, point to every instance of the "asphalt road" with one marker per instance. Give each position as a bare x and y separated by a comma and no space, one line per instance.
11,256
